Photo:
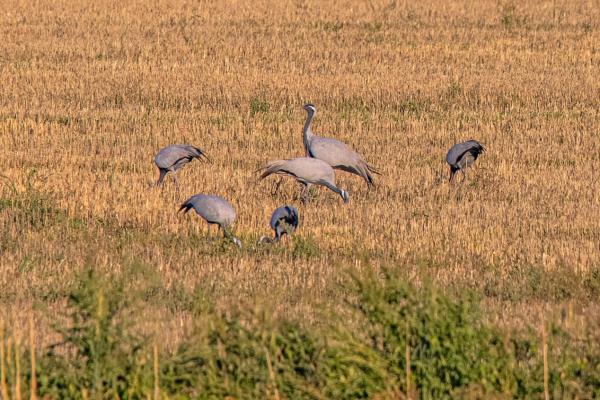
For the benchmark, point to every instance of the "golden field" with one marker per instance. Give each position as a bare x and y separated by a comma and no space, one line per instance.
91,90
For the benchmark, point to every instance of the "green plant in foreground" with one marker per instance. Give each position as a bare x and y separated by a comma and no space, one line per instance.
450,348
246,354
99,356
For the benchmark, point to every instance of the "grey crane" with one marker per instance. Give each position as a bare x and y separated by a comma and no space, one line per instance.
334,152
174,157
307,171
214,210
463,155
283,220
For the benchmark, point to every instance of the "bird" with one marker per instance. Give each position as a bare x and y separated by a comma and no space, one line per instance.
214,210
283,220
174,157
463,155
307,171
334,152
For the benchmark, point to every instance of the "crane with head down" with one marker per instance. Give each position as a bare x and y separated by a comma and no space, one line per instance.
463,155
307,171
174,157
284,220
214,210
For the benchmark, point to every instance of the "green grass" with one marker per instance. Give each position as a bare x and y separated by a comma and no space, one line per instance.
245,353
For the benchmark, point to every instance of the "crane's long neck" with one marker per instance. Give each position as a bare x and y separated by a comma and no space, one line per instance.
335,189
307,131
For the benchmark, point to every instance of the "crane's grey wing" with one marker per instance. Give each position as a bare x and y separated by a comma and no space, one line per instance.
311,169
302,168
193,151
226,211
213,209
341,156
175,156
333,152
458,150
277,216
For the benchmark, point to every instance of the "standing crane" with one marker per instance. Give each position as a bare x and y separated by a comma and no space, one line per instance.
334,152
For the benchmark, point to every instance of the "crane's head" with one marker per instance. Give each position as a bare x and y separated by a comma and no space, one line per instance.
228,235
310,108
453,171
265,240
345,196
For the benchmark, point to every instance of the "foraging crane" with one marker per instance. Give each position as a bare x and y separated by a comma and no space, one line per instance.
307,171
283,220
334,152
214,210
463,155
174,157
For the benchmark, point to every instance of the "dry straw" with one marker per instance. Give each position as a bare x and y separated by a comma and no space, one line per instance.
3,384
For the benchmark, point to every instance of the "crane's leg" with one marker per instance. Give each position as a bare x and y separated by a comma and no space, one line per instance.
276,186
308,186
175,180
304,193
463,174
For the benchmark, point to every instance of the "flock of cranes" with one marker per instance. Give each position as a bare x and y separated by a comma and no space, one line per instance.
323,155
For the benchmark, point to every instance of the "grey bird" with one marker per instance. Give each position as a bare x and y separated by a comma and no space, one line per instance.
214,210
334,152
307,171
283,220
463,155
174,157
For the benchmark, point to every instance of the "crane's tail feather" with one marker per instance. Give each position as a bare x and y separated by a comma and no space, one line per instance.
272,167
206,158
186,207
477,147
363,170
366,170
477,150
198,153
373,169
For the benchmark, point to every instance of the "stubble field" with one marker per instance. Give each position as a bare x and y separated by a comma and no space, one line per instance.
91,90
